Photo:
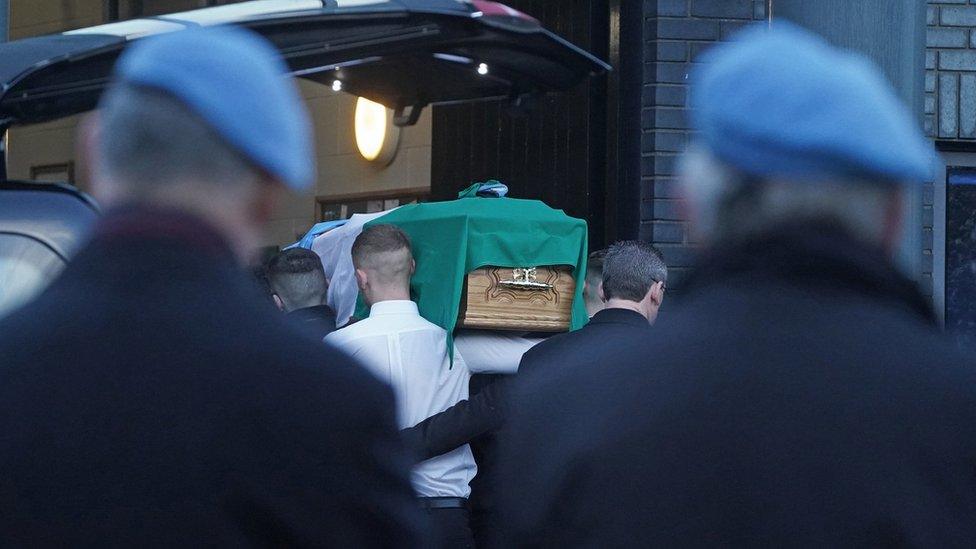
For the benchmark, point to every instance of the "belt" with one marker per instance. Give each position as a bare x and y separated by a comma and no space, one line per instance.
444,503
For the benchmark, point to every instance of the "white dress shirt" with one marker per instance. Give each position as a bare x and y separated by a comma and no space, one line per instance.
410,354
491,351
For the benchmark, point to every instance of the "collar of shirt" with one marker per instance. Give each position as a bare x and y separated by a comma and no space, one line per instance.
151,224
394,307
615,315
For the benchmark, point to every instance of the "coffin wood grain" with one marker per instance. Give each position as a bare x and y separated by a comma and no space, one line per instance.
487,304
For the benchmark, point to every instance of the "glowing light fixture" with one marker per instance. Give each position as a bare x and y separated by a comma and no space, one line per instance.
337,85
377,137
482,68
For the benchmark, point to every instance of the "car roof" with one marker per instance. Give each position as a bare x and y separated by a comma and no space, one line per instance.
402,53
57,215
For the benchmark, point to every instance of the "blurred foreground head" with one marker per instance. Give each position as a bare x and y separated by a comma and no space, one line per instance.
187,125
793,130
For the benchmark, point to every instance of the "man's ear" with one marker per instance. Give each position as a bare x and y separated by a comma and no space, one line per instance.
88,130
656,293
361,279
893,219
278,302
599,292
413,266
267,194
86,146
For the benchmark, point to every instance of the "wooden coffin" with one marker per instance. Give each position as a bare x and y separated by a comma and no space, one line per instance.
537,299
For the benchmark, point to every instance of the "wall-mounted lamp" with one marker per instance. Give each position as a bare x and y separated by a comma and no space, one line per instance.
377,138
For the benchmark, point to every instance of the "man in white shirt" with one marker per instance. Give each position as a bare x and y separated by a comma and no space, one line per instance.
411,354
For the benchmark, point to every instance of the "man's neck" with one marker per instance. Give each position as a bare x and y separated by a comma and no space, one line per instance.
308,305
387,294
242,238
136,220
615,303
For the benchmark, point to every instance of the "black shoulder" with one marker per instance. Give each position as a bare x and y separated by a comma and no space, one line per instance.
343,378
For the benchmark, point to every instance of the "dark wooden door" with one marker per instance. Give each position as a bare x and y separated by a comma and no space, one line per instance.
558,150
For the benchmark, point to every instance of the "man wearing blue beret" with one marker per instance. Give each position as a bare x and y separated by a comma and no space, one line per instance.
801,393
150,396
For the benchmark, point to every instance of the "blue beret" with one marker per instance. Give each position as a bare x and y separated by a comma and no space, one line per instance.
782,102
235,81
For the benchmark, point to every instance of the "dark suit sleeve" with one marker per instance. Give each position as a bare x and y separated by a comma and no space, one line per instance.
532,477
383,510
355,479
460,423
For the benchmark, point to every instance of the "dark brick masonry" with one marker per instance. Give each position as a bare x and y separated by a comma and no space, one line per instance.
675,33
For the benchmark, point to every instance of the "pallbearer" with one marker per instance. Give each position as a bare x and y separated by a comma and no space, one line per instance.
411,354
493,275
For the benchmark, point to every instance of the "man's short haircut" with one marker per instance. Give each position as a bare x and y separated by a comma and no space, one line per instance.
385,251
149,139
260,274
630,268
594,266
297,277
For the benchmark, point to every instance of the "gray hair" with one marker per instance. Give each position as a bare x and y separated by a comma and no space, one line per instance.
149,140
729,204
630,268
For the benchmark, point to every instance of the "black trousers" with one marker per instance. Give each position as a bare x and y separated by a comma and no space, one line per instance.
449,529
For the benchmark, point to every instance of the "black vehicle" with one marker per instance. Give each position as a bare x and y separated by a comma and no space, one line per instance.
40,225
405,54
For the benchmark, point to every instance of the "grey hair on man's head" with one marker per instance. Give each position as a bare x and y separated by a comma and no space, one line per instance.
728,204
630,268
149,139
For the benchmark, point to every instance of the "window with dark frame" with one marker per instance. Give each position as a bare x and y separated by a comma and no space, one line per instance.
960,255
336,207
54,173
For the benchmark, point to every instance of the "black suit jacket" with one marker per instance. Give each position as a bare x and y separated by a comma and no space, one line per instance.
478,420
799,395
608,329
318,321
150,396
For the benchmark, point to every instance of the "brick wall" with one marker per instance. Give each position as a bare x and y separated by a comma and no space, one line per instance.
950,93
675,33
950,63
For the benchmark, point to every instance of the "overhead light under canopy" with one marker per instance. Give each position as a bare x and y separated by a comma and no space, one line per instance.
377,138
